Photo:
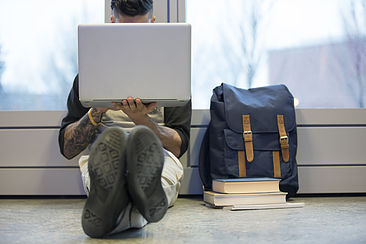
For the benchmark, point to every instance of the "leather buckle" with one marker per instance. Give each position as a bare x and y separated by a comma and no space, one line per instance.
283,138
247,135
284,141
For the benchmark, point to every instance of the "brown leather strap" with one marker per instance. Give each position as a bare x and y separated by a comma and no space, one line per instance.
241,162
276,164
283,138
248,139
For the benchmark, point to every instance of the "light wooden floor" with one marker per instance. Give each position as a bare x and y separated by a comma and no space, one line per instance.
322,220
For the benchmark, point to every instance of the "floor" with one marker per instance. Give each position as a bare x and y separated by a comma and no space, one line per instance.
321,220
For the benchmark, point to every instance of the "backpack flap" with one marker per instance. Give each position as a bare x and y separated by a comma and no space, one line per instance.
262,105
266,161
263,141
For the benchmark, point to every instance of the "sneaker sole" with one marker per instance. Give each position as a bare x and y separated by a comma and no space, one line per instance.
145,161
108,191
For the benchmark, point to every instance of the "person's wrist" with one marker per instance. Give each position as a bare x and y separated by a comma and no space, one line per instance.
96,115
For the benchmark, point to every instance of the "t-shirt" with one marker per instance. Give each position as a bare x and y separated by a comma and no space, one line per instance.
177,118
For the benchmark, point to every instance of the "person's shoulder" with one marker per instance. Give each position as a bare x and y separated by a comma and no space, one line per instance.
76,79
75,84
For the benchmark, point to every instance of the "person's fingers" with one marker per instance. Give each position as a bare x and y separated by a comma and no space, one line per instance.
139,105
131,103
124,105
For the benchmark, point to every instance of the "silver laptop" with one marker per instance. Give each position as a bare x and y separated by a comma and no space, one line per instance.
147,61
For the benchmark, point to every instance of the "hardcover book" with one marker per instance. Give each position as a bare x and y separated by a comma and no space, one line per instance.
246,185
236,199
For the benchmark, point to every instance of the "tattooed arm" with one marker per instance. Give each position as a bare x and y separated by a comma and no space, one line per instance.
80,134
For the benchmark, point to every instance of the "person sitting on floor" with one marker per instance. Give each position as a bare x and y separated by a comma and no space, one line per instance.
132,174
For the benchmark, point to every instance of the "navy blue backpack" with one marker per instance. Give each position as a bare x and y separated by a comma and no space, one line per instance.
252,133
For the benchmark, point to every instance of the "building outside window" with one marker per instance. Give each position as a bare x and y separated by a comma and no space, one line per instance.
317,48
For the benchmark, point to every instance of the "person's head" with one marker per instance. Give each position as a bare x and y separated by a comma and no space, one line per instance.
132,11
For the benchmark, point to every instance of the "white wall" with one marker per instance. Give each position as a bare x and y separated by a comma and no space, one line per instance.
331,153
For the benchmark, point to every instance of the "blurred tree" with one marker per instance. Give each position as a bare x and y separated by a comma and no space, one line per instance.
354,20
245,46
2,67
63,62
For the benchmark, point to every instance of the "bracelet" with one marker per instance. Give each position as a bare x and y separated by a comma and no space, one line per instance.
91,118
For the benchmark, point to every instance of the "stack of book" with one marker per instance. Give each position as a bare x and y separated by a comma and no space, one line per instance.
247,193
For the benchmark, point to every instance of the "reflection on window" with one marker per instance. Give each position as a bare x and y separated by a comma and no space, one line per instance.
317,48
38,50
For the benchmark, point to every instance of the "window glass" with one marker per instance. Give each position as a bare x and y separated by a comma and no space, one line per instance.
317,48
38,50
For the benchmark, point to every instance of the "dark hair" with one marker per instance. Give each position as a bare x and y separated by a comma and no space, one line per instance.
132,7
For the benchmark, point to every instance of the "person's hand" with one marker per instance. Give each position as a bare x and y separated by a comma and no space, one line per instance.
134,109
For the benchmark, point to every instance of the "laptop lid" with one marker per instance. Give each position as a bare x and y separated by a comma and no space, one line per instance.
147,61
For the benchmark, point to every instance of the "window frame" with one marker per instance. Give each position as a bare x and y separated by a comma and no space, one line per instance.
169,11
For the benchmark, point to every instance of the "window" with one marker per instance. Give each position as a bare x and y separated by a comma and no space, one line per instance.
317,48
38,50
